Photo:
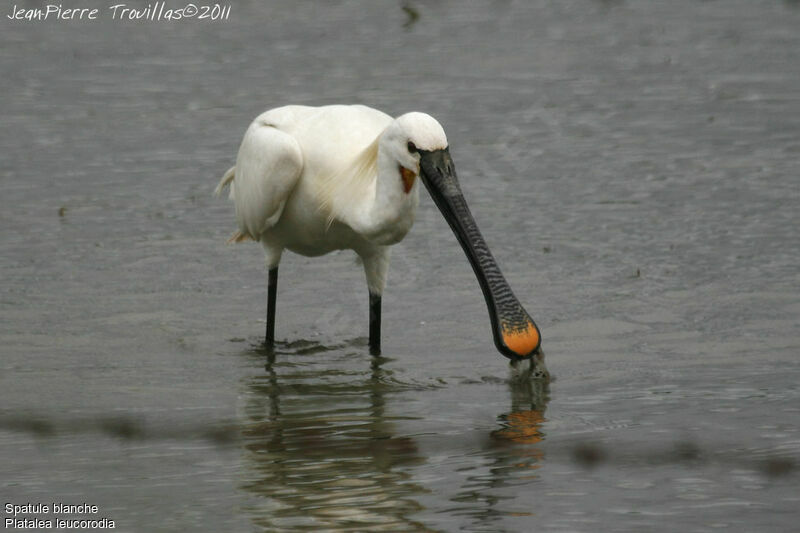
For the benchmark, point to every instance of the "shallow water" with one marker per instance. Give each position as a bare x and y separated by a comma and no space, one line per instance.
634,168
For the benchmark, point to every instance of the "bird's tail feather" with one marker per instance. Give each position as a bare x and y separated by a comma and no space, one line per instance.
226,180
238,236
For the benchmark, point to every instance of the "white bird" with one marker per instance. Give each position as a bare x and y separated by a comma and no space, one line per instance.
318,179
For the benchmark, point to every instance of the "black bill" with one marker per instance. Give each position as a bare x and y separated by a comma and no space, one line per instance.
515,333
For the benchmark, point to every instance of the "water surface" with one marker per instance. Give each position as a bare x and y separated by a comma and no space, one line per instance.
634,168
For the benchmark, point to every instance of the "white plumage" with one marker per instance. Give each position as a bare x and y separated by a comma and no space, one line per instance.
317,179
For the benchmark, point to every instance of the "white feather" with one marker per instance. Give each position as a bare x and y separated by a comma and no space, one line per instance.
318,179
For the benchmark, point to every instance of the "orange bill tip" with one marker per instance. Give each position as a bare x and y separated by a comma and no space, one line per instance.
522,342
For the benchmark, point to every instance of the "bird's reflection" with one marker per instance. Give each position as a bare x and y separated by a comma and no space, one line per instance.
522,424
320,448
511,456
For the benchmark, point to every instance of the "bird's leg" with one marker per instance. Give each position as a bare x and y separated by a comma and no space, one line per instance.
376,263
272,293
374,323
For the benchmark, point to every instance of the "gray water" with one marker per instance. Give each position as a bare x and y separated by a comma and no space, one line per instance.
633,166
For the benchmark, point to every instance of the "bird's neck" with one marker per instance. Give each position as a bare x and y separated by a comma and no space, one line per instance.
388,210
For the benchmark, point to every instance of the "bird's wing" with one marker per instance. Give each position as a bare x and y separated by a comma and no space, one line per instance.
267,168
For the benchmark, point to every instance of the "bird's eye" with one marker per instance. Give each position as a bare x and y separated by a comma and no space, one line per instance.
412,148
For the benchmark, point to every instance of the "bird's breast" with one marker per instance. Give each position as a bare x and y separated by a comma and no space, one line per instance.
307,231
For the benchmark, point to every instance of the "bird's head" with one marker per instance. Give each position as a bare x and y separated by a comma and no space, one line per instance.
409,136
419,145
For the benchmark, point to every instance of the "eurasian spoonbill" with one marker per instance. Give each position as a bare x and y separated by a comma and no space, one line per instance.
318,179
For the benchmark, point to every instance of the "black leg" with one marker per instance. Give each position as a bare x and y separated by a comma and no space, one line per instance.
272,293
374,324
